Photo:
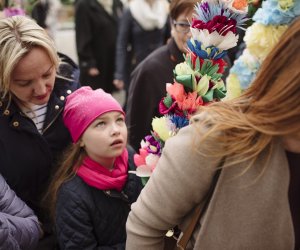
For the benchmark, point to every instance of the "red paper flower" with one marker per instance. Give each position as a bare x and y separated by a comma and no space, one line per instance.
221,24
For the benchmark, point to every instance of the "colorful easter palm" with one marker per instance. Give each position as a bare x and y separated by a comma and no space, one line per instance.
270,21
197,81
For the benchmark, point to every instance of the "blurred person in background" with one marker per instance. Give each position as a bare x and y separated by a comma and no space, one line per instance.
143,28
96,25
46,12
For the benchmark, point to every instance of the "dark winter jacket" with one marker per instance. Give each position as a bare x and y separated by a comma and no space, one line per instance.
134,44
27,157
19,227
96,35
147,87
89,218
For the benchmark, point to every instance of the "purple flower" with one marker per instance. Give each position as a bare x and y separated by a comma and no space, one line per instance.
13,11
154,146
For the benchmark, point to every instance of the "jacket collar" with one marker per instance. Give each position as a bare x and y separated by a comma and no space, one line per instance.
175,54
98,7
54,108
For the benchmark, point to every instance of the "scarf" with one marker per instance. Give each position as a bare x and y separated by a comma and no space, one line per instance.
149,17
95,175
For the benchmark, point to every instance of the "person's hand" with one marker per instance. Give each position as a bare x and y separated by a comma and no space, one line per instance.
94,71
119,84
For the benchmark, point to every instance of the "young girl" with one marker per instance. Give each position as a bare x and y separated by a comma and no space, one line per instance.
92,190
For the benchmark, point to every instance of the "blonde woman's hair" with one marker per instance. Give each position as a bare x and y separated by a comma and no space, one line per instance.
18,35
270,108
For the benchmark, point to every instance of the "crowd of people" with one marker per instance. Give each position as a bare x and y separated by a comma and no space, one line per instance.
67,147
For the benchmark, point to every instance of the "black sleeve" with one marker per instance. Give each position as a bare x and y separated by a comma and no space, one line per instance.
84,34
141,104
123,40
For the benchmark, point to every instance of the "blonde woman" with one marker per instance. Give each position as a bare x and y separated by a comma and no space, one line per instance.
255,204
34,81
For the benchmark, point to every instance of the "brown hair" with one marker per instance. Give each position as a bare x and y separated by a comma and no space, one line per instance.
177,7
270,108
71,160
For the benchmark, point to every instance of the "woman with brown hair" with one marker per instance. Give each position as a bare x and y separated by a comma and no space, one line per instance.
255,203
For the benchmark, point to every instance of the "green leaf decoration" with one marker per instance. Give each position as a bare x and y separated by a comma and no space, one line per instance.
197,67
211,70
144,180
188,60
203,85
206,65
219,94
209,96
185,80
216,77
168,101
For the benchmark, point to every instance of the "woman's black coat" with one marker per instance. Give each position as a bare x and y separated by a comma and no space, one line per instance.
134,44
27,157
96,35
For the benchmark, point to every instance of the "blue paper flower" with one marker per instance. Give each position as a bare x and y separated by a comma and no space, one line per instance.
272,14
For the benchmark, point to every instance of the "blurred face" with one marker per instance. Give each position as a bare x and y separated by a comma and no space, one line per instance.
180,30
106,138
33,78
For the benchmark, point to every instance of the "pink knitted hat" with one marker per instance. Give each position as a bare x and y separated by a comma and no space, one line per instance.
83,106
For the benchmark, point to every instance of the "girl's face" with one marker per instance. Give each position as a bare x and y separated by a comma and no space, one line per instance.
105,138
33,78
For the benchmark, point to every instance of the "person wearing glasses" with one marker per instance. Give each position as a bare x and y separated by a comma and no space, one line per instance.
148,80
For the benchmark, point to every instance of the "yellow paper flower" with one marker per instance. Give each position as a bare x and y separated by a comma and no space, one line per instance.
183,69
160,126
260,39
203,85
233,87
286,4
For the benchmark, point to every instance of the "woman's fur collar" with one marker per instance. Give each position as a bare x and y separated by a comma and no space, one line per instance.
148,17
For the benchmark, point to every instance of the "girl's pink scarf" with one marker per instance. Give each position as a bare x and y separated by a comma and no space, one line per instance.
97,176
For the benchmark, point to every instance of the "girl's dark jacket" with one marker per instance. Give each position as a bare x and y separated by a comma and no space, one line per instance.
19,227
27,157
89,218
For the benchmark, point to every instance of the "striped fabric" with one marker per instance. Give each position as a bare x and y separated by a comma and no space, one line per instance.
37,114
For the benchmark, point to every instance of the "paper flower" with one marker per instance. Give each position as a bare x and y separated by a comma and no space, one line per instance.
261,39
10,8
271,21
160,126
276,12
215,39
